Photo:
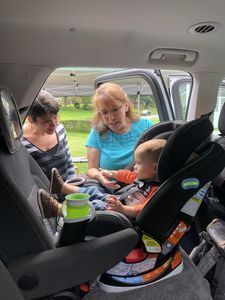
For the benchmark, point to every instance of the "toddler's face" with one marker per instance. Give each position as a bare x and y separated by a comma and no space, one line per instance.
145,167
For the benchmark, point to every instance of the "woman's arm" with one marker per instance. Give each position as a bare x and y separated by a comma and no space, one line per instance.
93,156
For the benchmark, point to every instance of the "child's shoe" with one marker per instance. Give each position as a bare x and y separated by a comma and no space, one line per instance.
49,207
56,183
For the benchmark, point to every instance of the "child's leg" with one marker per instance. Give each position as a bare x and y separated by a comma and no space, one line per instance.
58,186
68,188
99,205
97,196
56,182
49,206
95,192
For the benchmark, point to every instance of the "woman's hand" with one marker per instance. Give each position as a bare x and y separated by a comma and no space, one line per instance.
104,178
109,174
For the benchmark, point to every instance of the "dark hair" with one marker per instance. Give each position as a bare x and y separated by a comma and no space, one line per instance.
44,103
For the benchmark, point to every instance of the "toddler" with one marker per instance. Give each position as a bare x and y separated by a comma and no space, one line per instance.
146,157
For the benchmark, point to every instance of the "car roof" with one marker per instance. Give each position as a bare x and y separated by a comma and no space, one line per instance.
39,36
99,33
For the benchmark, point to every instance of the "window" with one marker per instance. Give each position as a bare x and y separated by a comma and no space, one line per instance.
219,105
179,85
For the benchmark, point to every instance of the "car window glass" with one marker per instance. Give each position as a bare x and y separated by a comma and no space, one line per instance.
219,103
179,86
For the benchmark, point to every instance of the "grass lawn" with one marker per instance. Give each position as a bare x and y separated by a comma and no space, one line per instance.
69,113
77,142
74,114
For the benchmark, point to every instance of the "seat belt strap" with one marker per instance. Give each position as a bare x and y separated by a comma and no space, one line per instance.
208,261
129,190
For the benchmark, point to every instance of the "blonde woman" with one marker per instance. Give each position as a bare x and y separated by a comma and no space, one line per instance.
115,131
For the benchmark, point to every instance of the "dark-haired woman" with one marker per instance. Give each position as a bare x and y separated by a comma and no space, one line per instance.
45,138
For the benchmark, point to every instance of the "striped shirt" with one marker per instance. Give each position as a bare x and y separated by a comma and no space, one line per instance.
58,157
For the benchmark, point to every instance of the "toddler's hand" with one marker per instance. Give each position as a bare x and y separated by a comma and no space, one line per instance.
114,204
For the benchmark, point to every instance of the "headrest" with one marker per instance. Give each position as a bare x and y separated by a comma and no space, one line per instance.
221,123
10,123
160,130
181,144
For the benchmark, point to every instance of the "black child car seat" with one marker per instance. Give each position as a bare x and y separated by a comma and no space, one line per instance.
187,165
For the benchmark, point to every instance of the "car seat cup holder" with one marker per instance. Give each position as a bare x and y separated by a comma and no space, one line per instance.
78,211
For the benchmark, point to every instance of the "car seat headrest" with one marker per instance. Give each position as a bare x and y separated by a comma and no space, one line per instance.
181,144
160,130
10,122
221,123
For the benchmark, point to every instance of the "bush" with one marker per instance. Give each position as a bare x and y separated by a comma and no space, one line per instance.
86,106
77,125
76,105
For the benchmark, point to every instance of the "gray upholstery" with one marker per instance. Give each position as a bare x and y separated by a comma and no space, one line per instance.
8,288
19,203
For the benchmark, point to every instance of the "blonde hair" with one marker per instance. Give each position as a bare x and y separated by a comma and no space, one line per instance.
110,92
151,149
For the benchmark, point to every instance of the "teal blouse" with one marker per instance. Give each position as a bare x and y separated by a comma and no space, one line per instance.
116,150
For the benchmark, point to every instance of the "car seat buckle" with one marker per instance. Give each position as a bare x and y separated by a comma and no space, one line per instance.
136,255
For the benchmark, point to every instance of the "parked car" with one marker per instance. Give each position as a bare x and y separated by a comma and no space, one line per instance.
146,112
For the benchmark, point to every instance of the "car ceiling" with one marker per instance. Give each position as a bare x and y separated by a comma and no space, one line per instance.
108,33
40,36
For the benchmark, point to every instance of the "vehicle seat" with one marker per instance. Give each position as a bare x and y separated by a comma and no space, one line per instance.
8,288
27,249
